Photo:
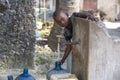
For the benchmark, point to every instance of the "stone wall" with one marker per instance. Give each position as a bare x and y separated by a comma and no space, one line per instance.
17,33
80,51
97,55
109,7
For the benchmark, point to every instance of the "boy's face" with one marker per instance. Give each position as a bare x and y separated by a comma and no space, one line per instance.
62,19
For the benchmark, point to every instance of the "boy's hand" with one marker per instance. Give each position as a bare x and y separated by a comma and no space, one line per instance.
92,18
86,15
62,62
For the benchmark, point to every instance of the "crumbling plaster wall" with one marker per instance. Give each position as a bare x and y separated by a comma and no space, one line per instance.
97,56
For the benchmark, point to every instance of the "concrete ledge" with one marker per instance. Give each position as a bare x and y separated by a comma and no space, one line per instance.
97,56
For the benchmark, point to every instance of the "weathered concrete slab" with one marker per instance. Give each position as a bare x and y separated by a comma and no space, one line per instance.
97,56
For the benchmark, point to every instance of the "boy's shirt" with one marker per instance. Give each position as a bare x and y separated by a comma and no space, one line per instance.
68,31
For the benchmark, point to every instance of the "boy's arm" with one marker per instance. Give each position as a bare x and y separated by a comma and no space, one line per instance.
86,15
67,51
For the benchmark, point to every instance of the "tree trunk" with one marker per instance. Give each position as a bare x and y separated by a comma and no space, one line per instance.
69,6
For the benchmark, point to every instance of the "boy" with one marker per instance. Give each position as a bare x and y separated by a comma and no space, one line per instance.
63,20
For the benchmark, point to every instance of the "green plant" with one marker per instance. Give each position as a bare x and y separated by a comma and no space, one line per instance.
38,20
44,33
40,60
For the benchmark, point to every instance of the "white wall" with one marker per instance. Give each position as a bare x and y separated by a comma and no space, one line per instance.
109,7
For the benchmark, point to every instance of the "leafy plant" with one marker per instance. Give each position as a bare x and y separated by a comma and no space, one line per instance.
41,60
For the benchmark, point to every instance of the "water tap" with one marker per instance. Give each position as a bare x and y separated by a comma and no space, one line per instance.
72,43
59,38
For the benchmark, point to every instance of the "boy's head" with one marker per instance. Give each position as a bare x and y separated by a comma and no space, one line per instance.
61,18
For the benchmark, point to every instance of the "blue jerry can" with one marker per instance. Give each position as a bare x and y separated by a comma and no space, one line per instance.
25,75
57,70
10,77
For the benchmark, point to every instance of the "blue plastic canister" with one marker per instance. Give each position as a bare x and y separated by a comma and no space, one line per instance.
10,77
25,75
57,70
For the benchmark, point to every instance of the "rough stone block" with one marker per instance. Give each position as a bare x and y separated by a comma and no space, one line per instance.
97,56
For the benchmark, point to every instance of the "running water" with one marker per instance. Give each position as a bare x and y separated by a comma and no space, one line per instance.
58,46
58,51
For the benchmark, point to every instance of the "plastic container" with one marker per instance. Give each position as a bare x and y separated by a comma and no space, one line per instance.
25,75
57,70
10,77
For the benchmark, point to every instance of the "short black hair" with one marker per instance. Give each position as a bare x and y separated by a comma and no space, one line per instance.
57,12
